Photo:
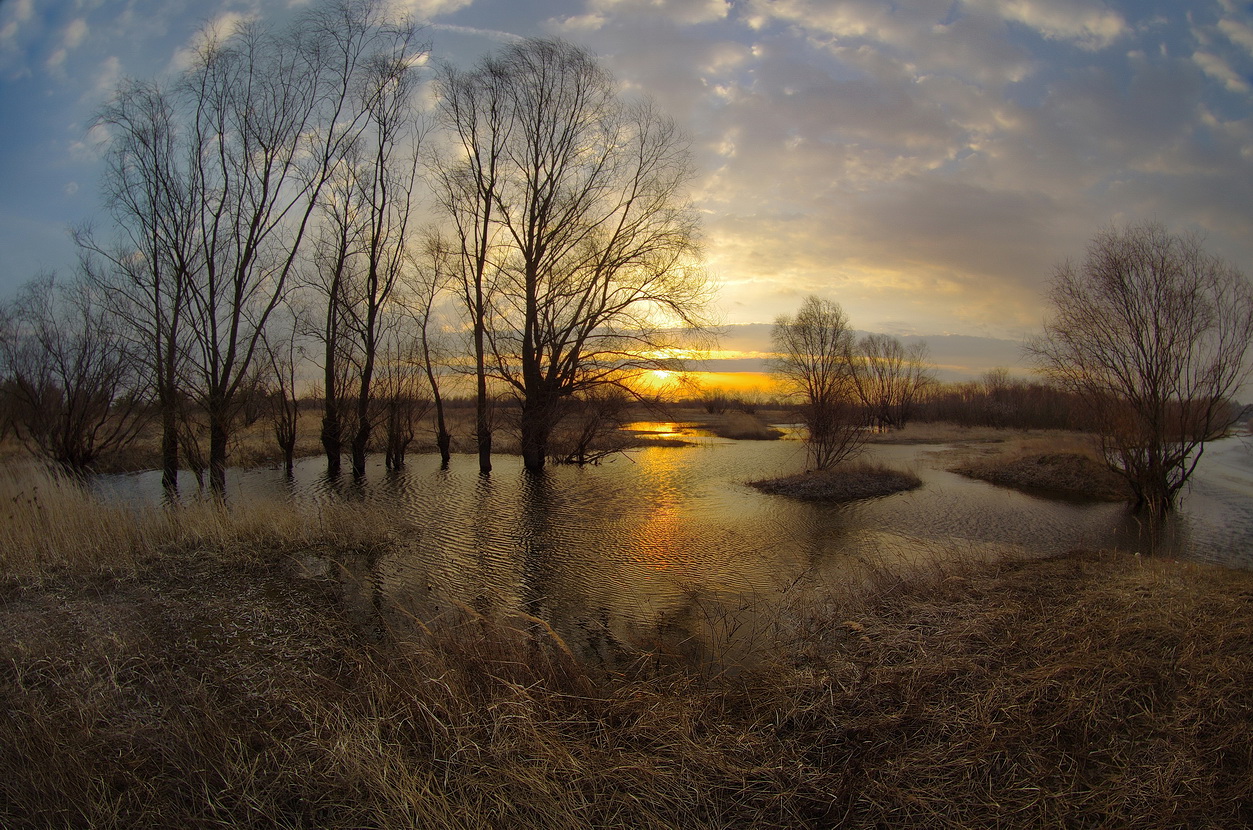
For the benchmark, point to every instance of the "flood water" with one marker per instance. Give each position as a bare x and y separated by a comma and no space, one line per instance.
668,548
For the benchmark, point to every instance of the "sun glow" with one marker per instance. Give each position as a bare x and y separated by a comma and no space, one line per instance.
674,384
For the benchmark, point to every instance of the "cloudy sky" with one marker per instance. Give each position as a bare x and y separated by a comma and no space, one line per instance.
926,163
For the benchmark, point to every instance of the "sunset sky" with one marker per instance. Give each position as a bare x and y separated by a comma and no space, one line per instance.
925,164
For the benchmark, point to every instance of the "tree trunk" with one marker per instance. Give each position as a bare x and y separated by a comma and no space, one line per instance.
219,434
535,427
332,426
169,449
482,426
332,439
361,440
444,441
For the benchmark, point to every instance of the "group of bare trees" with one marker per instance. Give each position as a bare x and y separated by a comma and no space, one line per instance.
576,248
845,385
265,214
217,180
72,382
1149,336
1003,400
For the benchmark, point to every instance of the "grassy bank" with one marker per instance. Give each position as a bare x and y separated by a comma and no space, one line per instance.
1060,463
221,678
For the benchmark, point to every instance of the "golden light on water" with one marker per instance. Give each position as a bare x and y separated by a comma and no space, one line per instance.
661,539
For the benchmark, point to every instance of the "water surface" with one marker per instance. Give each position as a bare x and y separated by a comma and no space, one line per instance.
669,547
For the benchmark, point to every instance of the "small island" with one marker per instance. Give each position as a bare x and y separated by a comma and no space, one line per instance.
849,482
1065,474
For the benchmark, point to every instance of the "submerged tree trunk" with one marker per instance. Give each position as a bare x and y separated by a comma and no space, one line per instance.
442,439
219,434
361,440
332,423
169,448
332,442
536,425
482,421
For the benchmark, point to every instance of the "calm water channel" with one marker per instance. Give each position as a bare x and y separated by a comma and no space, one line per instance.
668,547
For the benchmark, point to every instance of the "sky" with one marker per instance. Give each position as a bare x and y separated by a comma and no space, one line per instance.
925,163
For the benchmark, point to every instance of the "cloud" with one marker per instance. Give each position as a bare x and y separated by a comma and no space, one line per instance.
426,9
958,357
221,26
1221,71
92,146
924,37
1085,24
72,37
680,12
74,33
923,162
106,77
491,34
14,13
1238,32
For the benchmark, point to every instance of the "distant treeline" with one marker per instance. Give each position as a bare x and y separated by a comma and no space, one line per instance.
996,399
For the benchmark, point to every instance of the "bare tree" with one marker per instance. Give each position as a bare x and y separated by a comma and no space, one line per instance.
812,357
385,193
333,249
474,110
1152,333
359,250
145,272
281,351
596,257
889,378
431,276
402,401
262,110
75,383
590,426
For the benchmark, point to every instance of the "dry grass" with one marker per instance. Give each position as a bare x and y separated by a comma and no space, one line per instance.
1061,463
1092,690
49,524
223,682
739,426
940,432
846,482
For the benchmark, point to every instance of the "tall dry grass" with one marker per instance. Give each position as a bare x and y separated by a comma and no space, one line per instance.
50,523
